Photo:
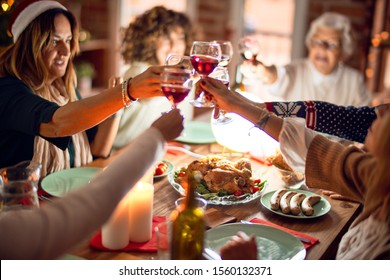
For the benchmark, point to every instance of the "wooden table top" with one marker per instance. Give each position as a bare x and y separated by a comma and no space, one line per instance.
328,229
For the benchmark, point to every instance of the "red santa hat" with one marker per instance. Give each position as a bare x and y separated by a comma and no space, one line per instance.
26,12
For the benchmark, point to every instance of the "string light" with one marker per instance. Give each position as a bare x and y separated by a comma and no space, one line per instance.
6,5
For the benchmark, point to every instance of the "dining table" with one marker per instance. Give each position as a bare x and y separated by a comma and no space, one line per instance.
328,228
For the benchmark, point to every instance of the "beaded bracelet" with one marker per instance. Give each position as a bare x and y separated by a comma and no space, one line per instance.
126,100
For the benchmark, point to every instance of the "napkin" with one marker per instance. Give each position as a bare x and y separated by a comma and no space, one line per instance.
149,246
312,239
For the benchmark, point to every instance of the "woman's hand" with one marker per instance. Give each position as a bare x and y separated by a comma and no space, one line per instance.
147,84
170,124
219,92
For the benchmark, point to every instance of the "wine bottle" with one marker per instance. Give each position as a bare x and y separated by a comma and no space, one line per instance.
188,225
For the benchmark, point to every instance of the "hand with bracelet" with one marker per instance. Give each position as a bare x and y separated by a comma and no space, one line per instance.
236,103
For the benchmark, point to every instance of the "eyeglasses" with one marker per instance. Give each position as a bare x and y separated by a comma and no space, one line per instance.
324,44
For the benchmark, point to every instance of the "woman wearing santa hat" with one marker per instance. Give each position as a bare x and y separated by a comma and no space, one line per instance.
42,118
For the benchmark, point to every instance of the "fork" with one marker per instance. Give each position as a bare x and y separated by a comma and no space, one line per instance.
304,240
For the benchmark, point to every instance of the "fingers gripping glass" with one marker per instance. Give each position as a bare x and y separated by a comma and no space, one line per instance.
205,57
222,74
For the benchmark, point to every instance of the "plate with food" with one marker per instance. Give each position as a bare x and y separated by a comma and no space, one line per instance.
272,243
162,169
60,183
223,182
297,204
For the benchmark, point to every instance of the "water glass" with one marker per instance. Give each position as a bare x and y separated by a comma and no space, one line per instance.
163,234
19,186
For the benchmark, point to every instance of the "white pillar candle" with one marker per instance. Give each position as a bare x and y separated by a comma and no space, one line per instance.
115,232
141,212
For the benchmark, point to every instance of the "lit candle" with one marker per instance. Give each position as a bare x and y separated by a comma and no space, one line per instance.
115,232
141,212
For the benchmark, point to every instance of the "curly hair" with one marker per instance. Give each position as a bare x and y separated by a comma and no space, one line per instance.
140,38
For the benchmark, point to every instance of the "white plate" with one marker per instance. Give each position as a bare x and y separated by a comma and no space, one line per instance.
219,200
320,208
272,243
61,182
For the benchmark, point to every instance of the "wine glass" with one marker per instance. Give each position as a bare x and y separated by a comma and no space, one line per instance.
205,57
249,48
223,75
183,60
226,52
176,84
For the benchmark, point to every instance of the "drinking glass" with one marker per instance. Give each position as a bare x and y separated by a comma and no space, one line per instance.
249,48
163,233
200,202
19,186
223,75
205,57
176,84
226,52
183,61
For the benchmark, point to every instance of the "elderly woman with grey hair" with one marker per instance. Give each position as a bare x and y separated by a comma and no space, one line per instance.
322,76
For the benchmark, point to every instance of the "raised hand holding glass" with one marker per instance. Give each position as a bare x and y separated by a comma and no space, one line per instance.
176,84
205,57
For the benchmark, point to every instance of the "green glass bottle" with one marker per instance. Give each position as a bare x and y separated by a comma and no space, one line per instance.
188,225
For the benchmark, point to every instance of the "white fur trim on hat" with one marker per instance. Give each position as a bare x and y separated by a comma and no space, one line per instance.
29,13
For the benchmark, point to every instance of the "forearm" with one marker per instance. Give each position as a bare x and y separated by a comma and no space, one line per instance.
255,112
349,122
105,136
83,114
48,232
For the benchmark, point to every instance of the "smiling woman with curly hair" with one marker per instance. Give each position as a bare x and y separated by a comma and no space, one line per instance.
147,41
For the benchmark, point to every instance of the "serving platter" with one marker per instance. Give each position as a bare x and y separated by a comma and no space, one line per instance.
214,199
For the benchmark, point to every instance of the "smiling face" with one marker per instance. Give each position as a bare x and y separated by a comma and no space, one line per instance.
325,51
57,53
176,43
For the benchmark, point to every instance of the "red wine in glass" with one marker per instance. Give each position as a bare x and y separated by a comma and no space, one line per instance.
175,93
204,64
176,84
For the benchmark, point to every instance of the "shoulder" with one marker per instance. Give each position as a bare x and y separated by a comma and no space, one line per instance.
12,82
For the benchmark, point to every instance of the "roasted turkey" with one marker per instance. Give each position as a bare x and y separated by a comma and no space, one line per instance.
222,174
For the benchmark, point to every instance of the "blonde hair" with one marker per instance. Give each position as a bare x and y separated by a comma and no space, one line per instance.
24,58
